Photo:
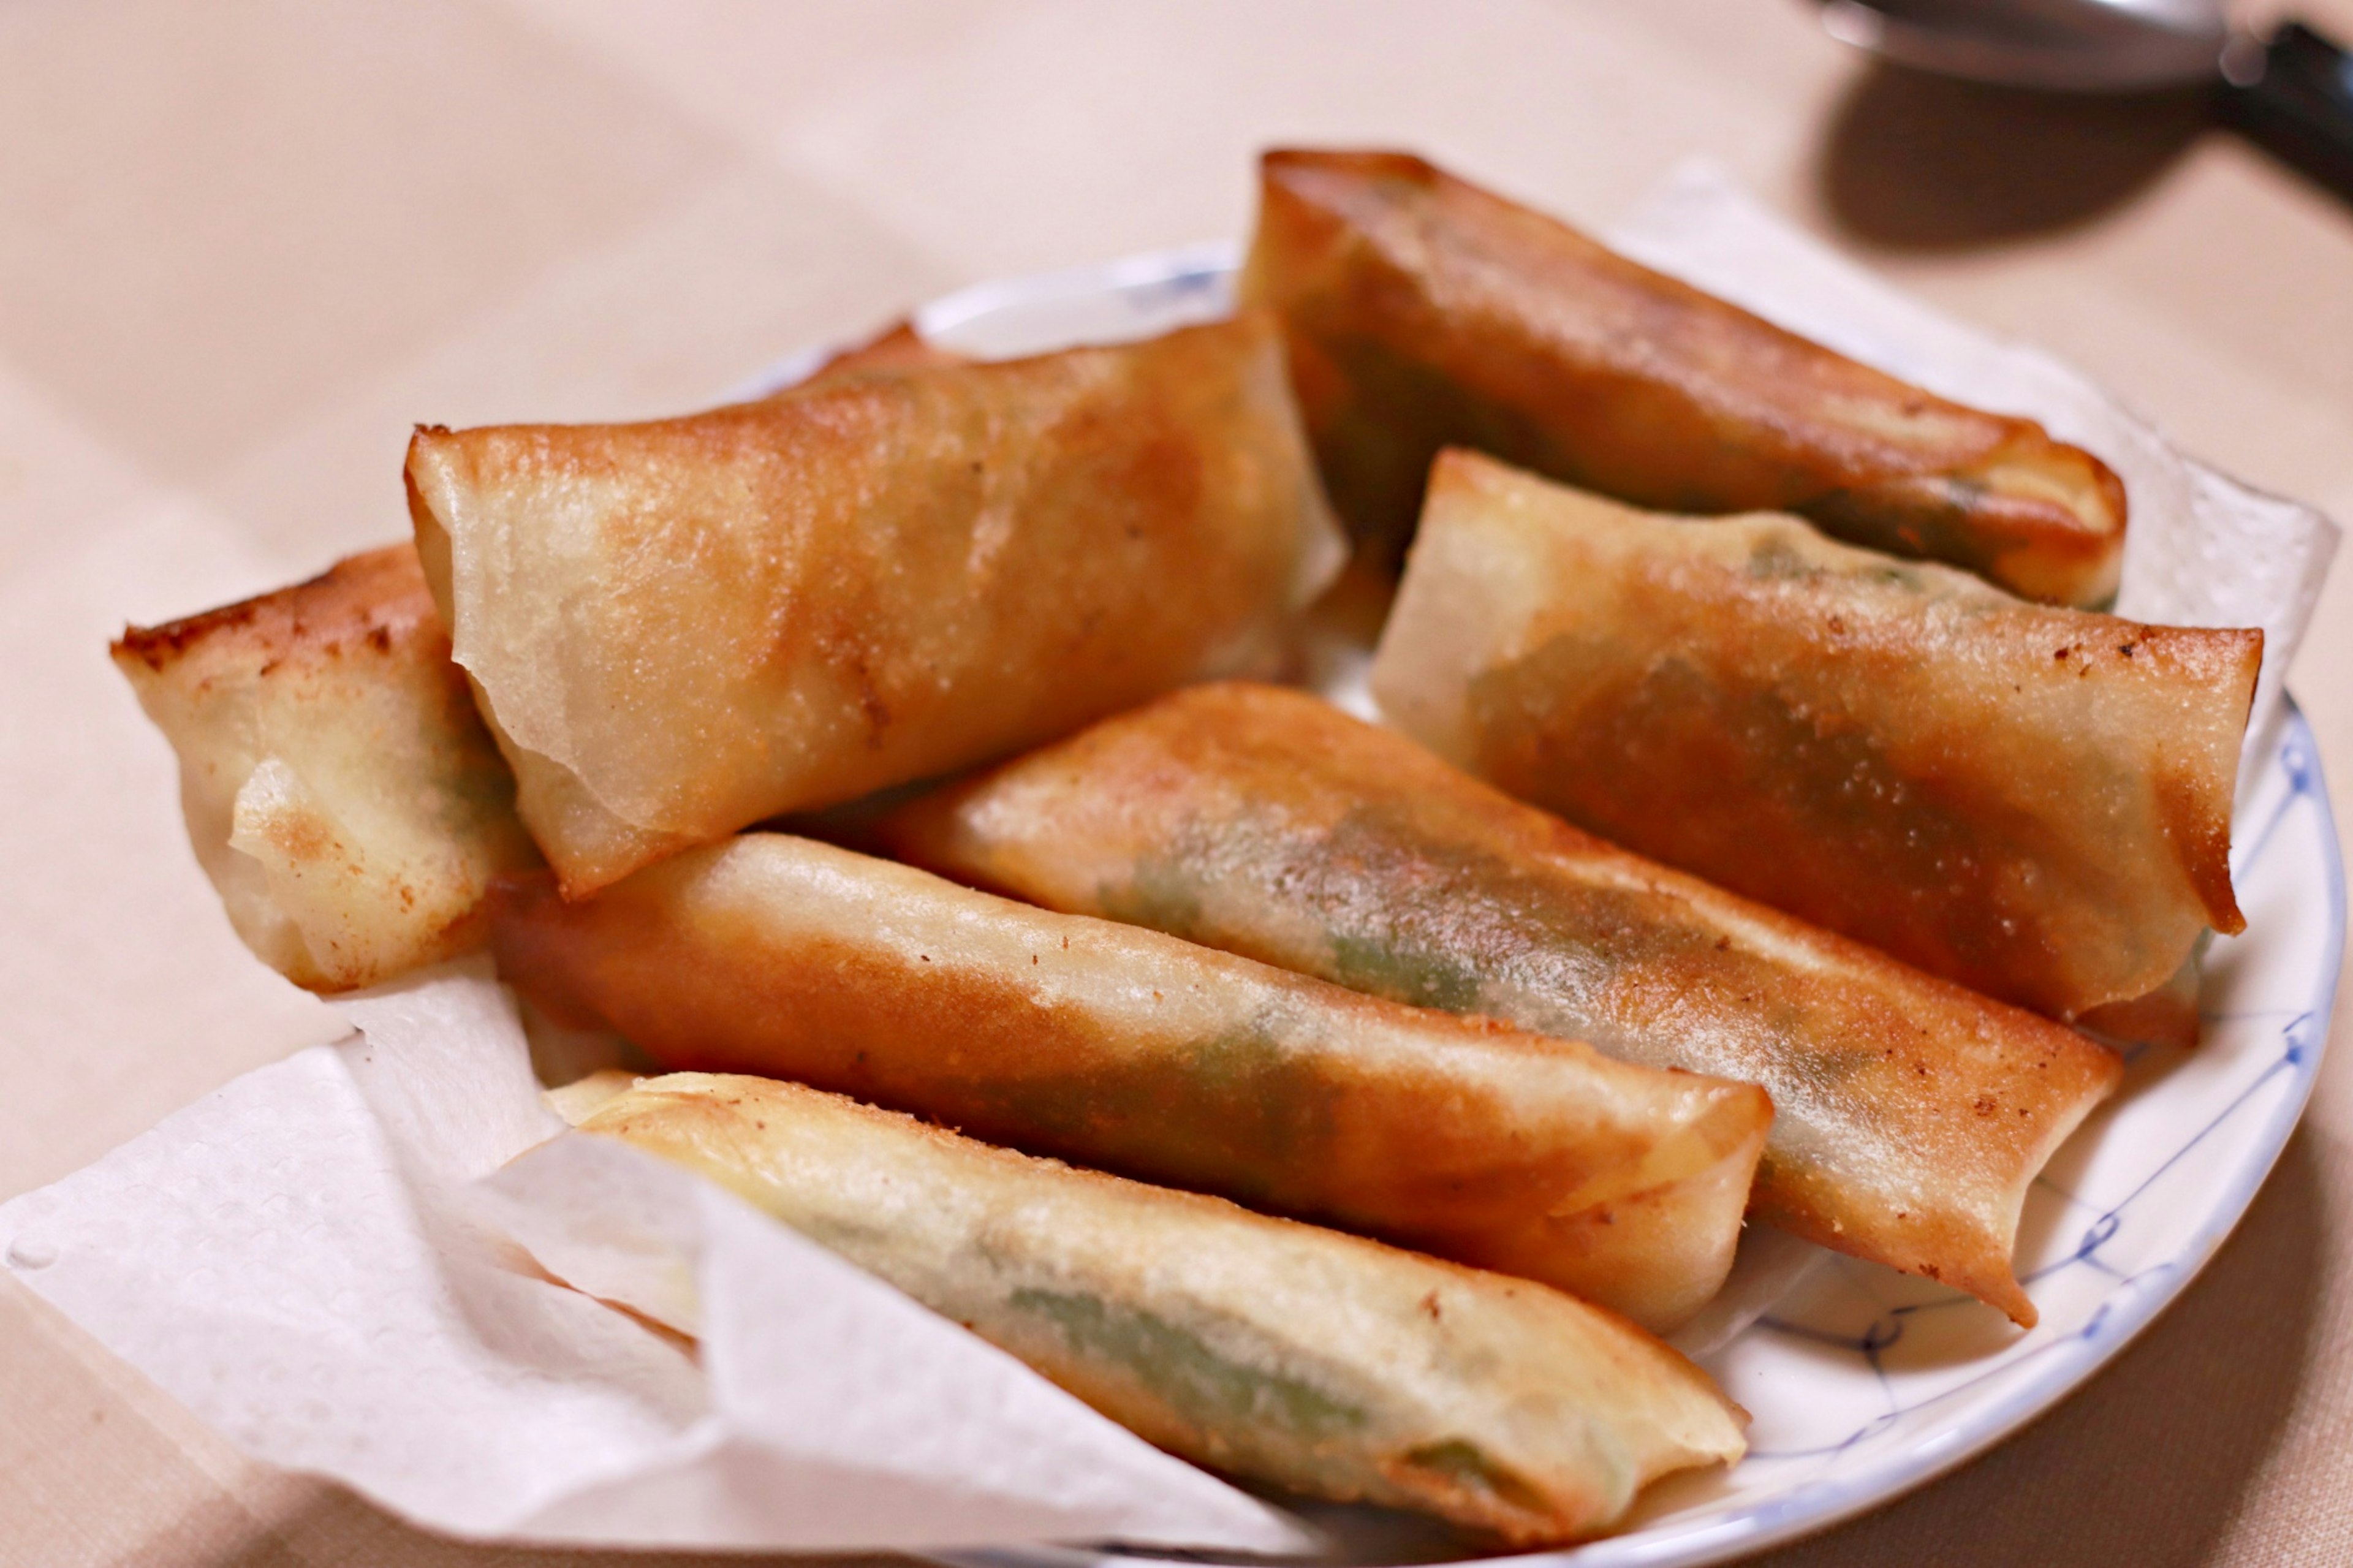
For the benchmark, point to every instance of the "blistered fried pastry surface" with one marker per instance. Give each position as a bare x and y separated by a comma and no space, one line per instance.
1136,1052
2032,801
340,791
1423,312
1278,1351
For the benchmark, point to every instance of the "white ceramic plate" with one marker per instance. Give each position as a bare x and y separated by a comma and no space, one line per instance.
1865,1383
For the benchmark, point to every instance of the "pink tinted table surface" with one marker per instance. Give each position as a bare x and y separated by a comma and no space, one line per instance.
244,246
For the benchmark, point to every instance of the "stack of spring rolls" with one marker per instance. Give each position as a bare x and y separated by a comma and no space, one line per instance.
1343,1107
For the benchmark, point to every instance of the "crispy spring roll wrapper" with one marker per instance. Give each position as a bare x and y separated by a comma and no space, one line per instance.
681,627
1279,1352
1134,1051
1423,312
339,788
2167,1015
2034,802
1909,1114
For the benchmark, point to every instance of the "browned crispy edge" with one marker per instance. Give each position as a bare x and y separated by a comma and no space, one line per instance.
2041,549
373,598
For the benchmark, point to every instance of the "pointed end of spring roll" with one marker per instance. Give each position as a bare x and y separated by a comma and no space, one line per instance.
2035,516
1970,1246
339,789
2197,804
2167,1017
1990,1275
590,845
1659,1248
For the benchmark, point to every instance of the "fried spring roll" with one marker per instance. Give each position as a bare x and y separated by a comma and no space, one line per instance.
1423,312
1277,1352
339,788
2034,802
1139,1053
680,628
1909,1115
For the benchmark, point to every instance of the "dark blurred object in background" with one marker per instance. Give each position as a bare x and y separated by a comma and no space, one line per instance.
1914,161
2294,96
2291,93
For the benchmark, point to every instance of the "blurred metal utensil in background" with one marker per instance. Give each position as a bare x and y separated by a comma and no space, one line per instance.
2292,92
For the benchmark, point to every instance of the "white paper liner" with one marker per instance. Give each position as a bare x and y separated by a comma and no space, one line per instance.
303,1260
334,1260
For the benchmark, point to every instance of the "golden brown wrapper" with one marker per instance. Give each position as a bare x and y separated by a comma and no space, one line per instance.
1909,1114
340,788
340,791
1279,1352
1423,312
1139,1053
680,628
2032,801
2168,1017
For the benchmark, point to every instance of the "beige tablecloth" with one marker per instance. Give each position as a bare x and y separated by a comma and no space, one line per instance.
243,247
